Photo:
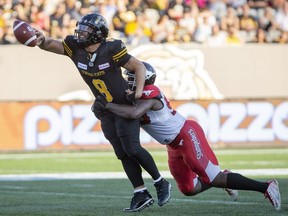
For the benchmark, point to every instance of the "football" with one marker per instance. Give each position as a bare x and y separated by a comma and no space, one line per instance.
24,33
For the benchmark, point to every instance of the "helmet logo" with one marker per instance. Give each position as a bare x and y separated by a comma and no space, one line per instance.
147,92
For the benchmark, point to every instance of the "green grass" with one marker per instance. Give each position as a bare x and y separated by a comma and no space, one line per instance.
100,161
108,197
59,162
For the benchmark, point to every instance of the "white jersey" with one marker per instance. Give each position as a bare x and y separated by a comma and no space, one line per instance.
164,124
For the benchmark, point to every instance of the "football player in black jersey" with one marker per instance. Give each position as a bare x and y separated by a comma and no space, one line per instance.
99,61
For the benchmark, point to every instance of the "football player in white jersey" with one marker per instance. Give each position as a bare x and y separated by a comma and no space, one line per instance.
192,162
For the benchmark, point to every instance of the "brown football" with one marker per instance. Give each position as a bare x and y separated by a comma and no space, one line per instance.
24,33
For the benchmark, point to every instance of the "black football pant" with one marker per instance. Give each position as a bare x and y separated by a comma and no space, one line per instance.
124,134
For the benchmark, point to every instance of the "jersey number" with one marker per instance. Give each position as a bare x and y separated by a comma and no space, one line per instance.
101,87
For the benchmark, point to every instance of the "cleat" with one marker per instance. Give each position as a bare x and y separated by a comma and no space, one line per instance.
140,201
163,189
273,194
232,193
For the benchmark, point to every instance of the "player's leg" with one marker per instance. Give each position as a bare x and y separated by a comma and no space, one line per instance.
129,132
186,179
232,192
141,198
198,155
228,179
237,181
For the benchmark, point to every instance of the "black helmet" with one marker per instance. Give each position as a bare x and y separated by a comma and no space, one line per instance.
91,29
149,77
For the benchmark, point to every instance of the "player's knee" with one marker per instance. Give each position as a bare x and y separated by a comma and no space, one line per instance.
133,152
187,191
121,156
131,145
219,180
190,193
120,153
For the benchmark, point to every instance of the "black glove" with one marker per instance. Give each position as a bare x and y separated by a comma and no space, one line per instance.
131,97
102,100
99,105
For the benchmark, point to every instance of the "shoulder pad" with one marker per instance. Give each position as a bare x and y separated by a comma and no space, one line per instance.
118,51
70,44
114,43
151,92
70,39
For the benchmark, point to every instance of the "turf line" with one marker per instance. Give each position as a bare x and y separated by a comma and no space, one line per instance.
27,155
122,175
129,197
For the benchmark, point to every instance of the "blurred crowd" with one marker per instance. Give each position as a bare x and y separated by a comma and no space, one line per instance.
211,22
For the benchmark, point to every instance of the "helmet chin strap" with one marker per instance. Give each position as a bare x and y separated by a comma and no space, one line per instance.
133,88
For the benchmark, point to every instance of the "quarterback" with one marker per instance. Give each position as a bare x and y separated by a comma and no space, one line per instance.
99,61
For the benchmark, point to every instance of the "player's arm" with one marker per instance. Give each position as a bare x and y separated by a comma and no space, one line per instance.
138,67
49,44
129,111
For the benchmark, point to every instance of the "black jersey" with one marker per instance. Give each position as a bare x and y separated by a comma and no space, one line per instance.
101,70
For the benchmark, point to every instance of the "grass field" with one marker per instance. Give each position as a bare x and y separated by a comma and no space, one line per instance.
83,195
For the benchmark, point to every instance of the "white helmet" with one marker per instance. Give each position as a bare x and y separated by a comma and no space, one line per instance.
149,77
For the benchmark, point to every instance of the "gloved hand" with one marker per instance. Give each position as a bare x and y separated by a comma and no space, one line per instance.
102,100
99,104
131,97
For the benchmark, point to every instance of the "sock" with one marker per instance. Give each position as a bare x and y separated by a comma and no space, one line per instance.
239,182
140,190
158,180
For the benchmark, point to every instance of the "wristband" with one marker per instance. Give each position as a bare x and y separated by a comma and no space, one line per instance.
43,40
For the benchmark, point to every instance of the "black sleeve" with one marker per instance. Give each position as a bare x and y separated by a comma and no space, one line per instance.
69,44
119,52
